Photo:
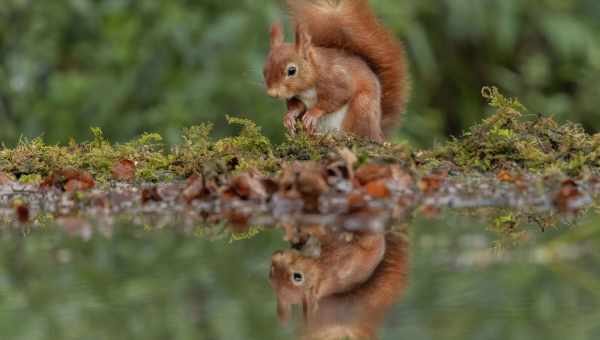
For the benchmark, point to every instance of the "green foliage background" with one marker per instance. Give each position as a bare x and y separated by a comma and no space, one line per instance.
132,66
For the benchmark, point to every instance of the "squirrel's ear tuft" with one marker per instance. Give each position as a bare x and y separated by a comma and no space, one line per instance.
277,36
303,41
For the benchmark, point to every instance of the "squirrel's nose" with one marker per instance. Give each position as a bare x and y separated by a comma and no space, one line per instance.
272,93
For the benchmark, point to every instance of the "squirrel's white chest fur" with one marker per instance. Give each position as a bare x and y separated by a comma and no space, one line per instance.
331,121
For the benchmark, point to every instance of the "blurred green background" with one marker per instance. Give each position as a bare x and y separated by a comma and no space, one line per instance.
132,66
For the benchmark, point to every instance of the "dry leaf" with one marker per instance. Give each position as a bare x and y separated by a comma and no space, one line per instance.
22,212
378,189
432,183
246,186
568,192
195,189
69,180
124,170
505,176
372,172
151,194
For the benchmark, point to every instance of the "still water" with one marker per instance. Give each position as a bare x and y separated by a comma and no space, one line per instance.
462,281
444,258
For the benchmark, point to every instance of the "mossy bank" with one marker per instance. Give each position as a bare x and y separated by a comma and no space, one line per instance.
511,139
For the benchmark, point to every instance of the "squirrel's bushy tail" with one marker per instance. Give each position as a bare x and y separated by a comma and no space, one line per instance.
351,25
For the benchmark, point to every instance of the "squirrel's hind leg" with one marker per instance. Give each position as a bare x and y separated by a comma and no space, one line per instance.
364,116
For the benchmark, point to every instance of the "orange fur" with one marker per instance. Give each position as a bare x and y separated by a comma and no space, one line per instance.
350,59
353,307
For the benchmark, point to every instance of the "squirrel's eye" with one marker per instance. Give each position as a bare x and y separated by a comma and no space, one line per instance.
292,70
298,278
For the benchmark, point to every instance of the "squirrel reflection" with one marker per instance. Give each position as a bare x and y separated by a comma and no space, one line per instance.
345,282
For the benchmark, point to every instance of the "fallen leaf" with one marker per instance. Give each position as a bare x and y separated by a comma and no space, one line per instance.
505,176
124,170
51,181
239,222
74,185
22,212
194,189
271,186
372,172
378,189
568,192
356,200
431,183
151,194
306,181
69,180
247,186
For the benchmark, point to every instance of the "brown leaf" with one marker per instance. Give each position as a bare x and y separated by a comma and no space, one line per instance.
22,212
74,185
247,186
51,181
239,221
568,192
372,172
271,186
356,200
195,189
151,194
378,189
306,181
124,170
311,183
69,180
505,176
70,174
78,181
431,183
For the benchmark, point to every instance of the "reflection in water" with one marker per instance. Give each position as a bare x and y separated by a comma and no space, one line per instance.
128,282
344,282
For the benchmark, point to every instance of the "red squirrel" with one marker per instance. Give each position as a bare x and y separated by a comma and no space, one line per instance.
345,72
346,290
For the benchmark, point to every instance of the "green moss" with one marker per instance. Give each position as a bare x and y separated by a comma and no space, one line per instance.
508,139
30,179
304,147
498,100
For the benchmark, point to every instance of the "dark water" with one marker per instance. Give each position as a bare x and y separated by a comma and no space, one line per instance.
506,265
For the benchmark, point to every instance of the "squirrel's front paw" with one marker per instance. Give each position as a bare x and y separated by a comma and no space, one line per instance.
289,121
311,120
